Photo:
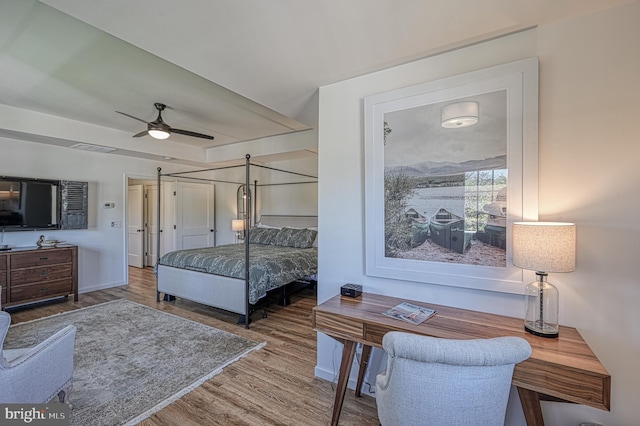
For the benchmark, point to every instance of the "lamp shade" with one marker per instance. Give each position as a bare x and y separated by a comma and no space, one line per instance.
544,246
460,114
237,225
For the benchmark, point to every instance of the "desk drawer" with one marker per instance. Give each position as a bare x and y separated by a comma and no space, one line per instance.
573,385
41,290
40,257
41,274
334,325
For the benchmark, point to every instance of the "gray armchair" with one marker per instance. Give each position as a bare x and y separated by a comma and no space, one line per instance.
431,381
37,374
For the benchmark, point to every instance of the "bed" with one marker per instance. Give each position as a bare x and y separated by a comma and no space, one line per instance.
281,250
235,277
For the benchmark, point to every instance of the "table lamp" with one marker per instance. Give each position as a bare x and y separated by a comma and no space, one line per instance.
543,247
238,226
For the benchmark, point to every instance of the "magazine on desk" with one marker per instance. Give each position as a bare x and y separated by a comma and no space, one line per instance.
410,313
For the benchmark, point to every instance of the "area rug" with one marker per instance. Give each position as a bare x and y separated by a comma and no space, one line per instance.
130,360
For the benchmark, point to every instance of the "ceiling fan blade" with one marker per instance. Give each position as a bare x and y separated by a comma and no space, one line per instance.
188,133
144,133
131,116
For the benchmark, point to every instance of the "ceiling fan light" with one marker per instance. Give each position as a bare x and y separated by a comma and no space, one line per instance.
460,114
158,134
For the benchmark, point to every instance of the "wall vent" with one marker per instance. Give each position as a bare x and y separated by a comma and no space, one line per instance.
92,148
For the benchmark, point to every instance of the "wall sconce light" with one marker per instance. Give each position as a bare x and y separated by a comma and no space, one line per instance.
460,114
238,226
543,247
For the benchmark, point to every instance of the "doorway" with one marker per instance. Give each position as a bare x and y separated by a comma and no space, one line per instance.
187,214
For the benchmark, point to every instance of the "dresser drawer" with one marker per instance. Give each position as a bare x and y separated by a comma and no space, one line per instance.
3,263
41,290
40,274
40,257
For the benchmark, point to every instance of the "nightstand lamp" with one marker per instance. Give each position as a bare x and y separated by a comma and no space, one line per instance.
238,226
543,247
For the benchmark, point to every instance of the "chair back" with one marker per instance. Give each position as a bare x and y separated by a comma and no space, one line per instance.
432,381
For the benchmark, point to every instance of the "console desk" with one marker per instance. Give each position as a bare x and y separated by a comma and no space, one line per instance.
561,369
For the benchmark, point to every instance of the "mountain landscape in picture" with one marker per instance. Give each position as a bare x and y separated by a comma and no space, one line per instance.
445,168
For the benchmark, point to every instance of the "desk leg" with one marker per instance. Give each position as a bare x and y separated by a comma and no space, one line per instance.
343,378
364,362
530,401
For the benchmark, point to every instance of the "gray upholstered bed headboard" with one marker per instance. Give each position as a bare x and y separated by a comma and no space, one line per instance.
294,221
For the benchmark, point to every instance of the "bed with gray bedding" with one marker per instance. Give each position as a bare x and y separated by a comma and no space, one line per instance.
270,266
215,276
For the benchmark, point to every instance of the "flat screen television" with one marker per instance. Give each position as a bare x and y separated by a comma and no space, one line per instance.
29,204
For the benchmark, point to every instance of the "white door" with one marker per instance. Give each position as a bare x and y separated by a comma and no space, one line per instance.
135,226
195,215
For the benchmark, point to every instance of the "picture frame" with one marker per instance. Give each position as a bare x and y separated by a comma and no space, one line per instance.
506,110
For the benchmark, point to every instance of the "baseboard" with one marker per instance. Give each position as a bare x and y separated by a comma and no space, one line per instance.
105,286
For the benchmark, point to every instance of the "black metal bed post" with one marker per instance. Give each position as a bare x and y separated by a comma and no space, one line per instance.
255,201
247,223
158,237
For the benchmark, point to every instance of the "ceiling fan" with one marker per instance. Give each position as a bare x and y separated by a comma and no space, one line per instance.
159,129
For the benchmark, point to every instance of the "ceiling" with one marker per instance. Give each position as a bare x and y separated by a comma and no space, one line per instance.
237,70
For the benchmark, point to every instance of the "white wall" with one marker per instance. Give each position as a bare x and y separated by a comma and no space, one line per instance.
299,199
588,174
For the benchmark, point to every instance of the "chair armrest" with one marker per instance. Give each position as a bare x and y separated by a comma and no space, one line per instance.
38,374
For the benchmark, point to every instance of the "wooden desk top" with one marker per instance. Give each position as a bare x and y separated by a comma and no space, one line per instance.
563,367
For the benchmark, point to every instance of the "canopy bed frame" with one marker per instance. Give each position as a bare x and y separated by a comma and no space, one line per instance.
224,292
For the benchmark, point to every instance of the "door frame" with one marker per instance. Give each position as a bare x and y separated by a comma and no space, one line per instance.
127,181
138,222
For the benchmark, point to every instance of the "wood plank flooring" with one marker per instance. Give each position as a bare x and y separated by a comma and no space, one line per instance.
272,386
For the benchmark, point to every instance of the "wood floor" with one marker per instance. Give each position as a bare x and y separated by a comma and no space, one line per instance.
271,386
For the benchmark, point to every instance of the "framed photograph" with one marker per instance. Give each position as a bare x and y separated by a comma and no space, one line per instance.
449,166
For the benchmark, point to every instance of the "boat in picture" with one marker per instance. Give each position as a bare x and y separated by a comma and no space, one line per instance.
419,227
447,230
495,231
419,232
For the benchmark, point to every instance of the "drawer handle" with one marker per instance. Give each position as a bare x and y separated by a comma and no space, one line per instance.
43,258
43,274
44,289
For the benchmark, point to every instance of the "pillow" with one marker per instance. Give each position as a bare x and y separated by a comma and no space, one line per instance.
262,235
294,237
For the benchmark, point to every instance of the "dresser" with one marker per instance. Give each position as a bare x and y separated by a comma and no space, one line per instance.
32,274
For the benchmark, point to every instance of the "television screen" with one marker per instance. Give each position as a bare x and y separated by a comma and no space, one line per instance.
28,204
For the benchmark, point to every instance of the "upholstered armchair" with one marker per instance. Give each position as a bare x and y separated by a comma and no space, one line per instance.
37,374
431,381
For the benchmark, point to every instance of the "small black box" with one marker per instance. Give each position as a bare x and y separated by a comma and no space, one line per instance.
351,290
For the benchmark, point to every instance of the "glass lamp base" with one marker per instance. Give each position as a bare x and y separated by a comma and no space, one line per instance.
545,330
541,300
